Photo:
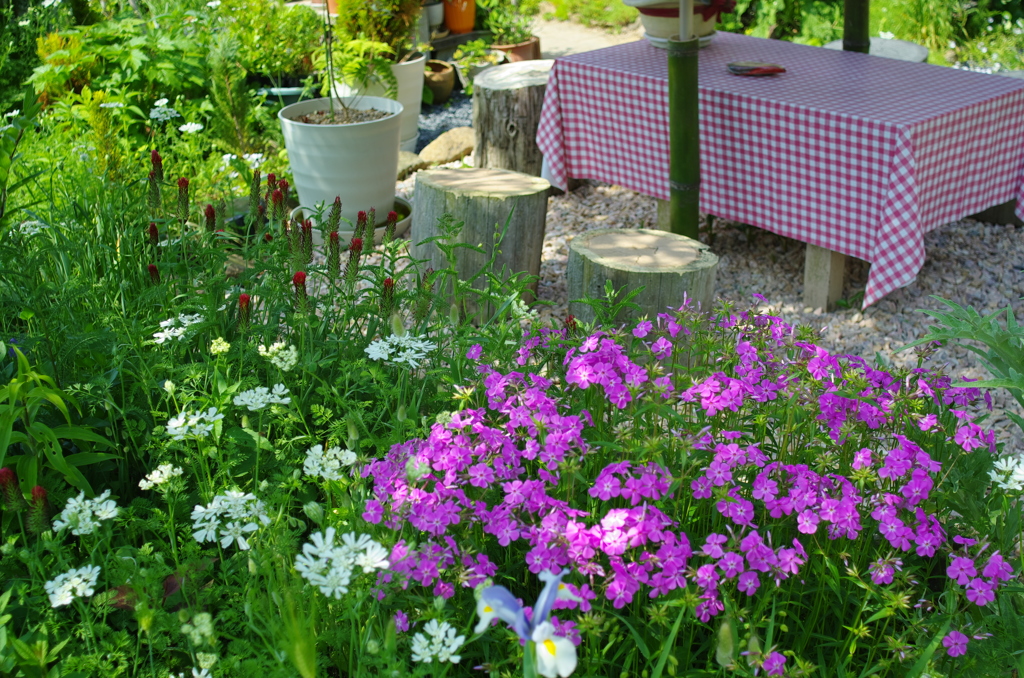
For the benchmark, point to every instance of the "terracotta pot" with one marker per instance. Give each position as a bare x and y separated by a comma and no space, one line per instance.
459,15
440,79
523,51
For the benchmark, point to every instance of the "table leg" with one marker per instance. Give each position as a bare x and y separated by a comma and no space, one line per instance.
824,275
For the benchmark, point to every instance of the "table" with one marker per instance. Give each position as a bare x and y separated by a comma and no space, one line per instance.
856,154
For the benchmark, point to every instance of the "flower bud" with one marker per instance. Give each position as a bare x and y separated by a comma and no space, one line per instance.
169,387
353,434
271,185
571,325
387,296
334,218
37,519
389,228
360,224
254,197
211,217
154,197
158,165
355,248
307,241
283,186
397,326
276,205
183,206
453,314
154,274
314,512
154,234
400,414
10,493
244,310
299,283
333,255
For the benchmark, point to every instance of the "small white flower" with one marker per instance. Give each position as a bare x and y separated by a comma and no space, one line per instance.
111,104
160,102
213,4
188,425
162,113
11,114
230,518
83,515
162,474
79,583
886,35
328,566
440,642
327,464
378,350
191,127
27,228
258,398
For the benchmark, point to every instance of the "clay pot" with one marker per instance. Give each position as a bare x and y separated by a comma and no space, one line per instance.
459,15
440,79
523,51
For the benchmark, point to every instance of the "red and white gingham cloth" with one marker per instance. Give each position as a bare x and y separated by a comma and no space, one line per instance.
857,154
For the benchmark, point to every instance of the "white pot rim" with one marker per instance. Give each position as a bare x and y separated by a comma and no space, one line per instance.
390,106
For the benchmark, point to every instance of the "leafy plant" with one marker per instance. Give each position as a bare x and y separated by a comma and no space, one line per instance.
506,22
388,22
276,41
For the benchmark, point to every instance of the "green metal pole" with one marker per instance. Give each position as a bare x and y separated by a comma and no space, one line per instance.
684,137
856,37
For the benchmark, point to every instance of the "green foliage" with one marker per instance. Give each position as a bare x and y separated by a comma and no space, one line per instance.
506,22
391,22
275,40
612,14
360,64
1001,341
10,138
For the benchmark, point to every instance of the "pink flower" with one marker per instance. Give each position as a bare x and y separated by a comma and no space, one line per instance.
981,592
961,570
774,664
955,643
474,352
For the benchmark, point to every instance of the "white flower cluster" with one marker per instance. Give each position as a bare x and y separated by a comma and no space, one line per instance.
27,228
405,349
1008,473
280,355
258,398
174,328
230,517
191,127
112,104
162,474
440,643
327,464
83,515
328,565
200,630
77,583
254,160
161,112
189,425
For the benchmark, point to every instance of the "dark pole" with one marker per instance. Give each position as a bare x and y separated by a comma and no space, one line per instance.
855,26
684,137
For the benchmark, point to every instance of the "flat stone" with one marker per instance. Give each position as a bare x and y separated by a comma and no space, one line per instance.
453,145
409,163
1012,74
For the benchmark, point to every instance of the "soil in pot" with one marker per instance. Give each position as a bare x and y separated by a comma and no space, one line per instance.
341,116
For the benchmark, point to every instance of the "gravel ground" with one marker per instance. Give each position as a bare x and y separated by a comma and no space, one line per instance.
456,112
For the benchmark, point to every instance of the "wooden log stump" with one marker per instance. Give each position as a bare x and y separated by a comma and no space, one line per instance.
506,113
482,199
666,265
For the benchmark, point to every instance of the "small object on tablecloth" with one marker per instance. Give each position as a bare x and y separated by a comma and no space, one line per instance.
754,68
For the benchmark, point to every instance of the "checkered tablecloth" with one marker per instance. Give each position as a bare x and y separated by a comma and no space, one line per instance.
858,154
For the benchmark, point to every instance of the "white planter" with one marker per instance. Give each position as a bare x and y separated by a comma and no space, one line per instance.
410,94
357,162
435,14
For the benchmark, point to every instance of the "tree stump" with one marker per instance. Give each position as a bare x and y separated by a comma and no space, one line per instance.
506,113
482,199
665,264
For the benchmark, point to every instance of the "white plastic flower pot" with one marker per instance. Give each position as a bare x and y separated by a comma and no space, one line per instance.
409,75
358,162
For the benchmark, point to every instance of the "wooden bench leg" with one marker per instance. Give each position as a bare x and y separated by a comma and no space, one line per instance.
824,275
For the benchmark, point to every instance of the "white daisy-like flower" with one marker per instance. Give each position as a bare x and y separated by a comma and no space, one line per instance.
230,518
191,127
260,397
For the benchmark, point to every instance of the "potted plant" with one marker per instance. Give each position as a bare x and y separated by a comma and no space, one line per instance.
346,146
440,80
277,44
460,15
472,57
510,32
387,28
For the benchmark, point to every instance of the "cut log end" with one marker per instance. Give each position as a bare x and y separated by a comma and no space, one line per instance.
482,182
668,266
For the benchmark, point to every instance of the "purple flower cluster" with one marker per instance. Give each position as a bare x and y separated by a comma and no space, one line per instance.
510,475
